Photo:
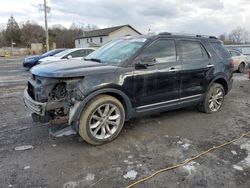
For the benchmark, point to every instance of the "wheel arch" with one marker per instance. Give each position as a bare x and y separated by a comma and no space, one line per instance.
118,94
222,81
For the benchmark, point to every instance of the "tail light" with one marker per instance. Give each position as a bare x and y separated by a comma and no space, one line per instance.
231,63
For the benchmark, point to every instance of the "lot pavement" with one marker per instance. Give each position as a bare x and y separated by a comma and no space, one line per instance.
145,145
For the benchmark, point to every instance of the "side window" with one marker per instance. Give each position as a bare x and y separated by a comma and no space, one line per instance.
89,52
237,53
162,50
220,49
233,53
192,50
78,53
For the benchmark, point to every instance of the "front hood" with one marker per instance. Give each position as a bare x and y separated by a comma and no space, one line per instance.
71,68
32,57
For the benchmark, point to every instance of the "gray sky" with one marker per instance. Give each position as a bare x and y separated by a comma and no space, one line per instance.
211,17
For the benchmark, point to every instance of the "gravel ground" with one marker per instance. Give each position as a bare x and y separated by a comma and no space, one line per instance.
145,145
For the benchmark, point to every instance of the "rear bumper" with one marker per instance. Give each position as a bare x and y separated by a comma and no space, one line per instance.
36,107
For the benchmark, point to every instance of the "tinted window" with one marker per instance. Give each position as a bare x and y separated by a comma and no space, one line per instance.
192,50
78,53
162,51
233,53
220,49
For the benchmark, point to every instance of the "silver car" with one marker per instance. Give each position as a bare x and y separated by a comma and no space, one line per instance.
240,60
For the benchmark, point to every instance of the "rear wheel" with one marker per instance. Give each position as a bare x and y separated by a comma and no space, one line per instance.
214,99
241,68
102,120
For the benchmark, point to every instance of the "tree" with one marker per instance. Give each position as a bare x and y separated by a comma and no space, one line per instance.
32,33
2,35
13,32
64,38
238,36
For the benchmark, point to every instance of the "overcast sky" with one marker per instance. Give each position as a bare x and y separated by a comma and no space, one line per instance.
211,17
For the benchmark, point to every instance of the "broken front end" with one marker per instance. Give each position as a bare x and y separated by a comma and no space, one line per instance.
50,99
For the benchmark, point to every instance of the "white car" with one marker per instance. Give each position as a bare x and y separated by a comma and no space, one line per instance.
240,60
74,53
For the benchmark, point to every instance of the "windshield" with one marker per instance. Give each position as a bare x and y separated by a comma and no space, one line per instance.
116,51
47,53
65,52
51,52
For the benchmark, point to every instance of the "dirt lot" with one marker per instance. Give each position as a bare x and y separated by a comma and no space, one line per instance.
145,145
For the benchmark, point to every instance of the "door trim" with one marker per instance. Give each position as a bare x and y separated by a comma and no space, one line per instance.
166,103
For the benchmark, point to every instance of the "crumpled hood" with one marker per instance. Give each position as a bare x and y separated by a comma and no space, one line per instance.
71,68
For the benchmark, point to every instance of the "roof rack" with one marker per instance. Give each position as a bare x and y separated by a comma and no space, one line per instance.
184,34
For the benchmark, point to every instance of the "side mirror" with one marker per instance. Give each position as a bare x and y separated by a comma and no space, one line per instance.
69,57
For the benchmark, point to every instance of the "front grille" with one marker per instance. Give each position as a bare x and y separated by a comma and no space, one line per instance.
31,91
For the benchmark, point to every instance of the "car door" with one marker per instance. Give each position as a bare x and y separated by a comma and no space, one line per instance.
195,66
157,85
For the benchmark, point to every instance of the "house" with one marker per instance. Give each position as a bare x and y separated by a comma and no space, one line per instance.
99,37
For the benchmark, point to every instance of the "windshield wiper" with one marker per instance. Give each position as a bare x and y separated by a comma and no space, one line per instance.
93,59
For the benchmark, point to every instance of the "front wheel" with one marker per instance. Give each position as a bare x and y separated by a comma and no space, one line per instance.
213,100
102,120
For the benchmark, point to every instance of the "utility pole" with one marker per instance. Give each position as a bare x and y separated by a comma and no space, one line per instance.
46,9
46,25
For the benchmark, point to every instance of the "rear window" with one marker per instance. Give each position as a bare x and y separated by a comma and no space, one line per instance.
220,49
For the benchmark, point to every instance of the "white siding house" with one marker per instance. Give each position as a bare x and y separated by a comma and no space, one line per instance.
99,37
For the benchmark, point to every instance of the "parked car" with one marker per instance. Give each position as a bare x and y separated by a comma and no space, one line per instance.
128,78
240,60
74,53
31,61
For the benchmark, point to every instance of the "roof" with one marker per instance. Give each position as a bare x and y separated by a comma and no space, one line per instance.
103,32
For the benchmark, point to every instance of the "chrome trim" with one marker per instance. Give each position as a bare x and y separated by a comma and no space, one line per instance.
34,106
166,102
173,70
210,65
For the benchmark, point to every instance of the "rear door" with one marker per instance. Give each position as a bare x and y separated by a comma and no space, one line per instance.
195,67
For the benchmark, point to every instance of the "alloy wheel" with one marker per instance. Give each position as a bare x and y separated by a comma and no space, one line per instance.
216,99
104,121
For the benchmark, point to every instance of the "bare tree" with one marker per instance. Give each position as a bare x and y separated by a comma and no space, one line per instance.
239,36
32,33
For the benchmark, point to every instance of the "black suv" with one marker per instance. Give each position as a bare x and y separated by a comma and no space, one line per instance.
130,77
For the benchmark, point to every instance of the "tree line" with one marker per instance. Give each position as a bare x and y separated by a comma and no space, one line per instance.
238,35
23,34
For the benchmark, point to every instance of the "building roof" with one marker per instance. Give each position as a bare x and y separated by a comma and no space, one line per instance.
103,32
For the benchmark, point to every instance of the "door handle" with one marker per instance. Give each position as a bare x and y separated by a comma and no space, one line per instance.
172,69
210,65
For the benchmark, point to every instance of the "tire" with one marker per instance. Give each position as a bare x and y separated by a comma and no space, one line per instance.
210,98
241,67
96,115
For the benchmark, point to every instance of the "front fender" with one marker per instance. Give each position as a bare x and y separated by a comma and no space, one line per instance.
76,110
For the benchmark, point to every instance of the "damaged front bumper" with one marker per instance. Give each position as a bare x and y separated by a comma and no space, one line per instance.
36,107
